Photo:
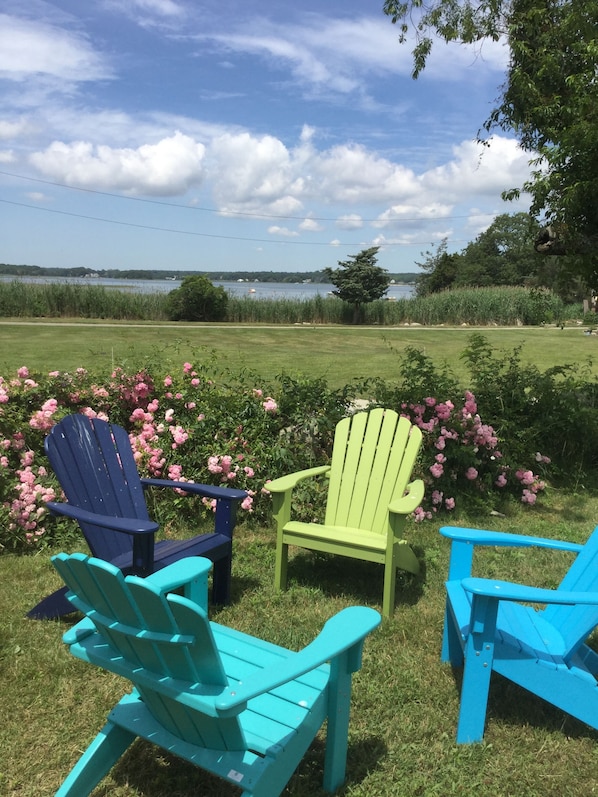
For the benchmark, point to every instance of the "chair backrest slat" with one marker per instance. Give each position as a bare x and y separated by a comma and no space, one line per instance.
372,462
157,640
575,623
95,466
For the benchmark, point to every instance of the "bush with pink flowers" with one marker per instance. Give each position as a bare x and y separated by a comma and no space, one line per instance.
467,461
183,424
193,422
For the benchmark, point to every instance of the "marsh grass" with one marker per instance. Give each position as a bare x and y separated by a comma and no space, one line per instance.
503,306
405,702
65,300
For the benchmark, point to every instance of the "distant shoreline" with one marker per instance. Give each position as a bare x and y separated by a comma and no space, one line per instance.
175,275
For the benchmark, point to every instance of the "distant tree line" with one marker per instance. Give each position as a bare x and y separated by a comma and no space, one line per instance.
503,254
7,269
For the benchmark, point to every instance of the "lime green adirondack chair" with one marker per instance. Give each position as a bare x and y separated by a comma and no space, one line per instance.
369,497
232,704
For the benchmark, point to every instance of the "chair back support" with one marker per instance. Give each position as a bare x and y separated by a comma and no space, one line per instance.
372,463
152,637
575,623
95,466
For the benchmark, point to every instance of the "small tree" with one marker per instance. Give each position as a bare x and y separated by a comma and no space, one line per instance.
359,280
441,271
197,299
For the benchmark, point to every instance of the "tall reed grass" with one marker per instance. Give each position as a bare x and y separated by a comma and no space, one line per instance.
65,300
501,306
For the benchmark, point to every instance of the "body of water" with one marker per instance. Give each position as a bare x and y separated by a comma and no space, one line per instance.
254,290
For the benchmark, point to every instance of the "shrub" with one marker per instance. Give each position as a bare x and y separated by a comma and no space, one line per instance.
499,441
197,299
183,424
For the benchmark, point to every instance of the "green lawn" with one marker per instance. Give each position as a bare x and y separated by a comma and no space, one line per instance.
340,354
405,701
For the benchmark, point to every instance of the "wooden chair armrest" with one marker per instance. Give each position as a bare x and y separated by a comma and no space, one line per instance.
285,483
207,490
500,538
346,631
123,525
506,591
189,574
410,501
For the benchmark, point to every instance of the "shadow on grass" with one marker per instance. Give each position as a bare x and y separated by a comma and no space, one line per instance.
359,581
511,705
156,773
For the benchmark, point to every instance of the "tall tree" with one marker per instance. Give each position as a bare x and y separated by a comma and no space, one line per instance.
359,280
503,254
549,100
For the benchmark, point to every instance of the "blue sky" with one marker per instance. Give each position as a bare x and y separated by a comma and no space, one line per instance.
208,135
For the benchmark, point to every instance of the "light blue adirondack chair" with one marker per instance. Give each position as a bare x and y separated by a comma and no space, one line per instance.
236,706
488,628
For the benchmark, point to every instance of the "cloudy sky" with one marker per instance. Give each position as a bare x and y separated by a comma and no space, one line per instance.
218,134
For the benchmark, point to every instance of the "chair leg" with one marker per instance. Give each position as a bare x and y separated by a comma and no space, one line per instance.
99,758
337,733
221,578
479,658
280,570
390,580
53,606
452,650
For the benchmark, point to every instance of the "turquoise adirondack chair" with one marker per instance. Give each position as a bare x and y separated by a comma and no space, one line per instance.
488,629
369,497
236,706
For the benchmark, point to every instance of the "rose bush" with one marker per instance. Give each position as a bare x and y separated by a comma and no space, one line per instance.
182,424
467,463
187,425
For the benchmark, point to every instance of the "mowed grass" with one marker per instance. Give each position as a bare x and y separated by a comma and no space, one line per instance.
340,354
405,701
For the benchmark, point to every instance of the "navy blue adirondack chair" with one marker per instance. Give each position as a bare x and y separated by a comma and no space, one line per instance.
232,704
495,626
95,466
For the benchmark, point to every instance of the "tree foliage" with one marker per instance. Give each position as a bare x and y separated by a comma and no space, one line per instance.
359,280
549,99
197,299
440,271
501,255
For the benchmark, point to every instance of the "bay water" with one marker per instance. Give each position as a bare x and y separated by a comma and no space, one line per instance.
252,289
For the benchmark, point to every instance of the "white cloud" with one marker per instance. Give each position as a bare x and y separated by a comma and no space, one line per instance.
350,221
165,8
167,168
33,48
328,56
398,214
7,156
483,170
254,174
37,196
276,230
12,130
310,225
